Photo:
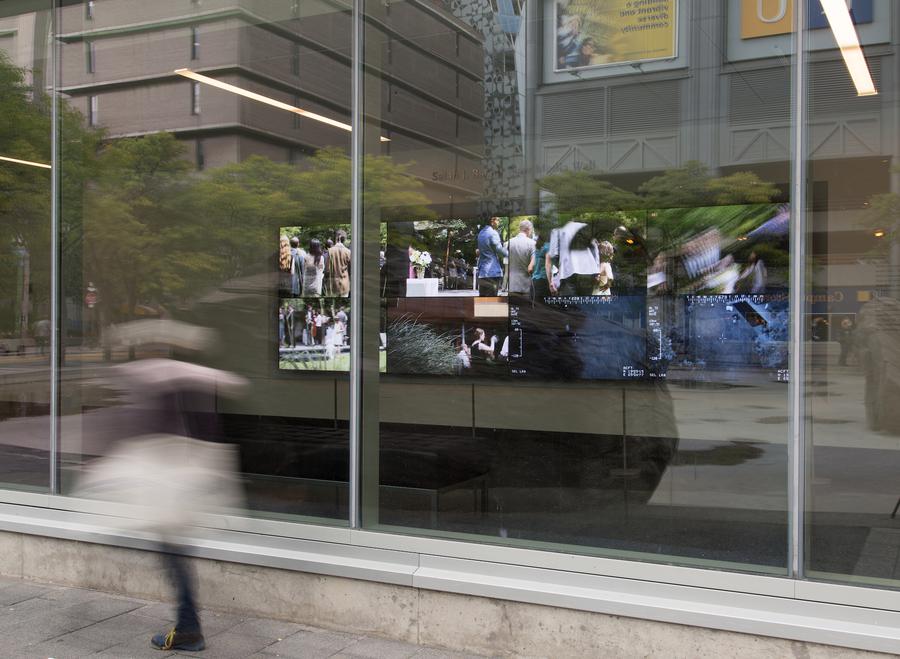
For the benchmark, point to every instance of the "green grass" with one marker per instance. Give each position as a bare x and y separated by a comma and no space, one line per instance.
339,363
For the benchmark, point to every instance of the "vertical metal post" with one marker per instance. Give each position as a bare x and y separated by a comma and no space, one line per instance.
797,444
356,265
55,256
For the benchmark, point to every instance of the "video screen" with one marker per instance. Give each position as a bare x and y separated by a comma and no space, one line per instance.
616,295
313,315
731,335
594,337
462,336
314,334
314,261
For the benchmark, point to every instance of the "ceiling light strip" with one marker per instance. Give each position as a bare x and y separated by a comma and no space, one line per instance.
187,73
30,163
842,27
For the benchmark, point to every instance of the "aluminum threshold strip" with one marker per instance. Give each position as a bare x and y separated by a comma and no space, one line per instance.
779,617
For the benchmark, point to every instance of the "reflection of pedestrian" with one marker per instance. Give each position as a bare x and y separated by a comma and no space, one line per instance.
521,251
845,338
819,329
42,334
577,259
490,253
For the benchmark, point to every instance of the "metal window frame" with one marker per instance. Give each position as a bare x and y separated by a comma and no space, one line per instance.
796,295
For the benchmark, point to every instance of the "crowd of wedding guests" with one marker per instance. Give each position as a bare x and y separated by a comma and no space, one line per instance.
322,268
566,260
303,324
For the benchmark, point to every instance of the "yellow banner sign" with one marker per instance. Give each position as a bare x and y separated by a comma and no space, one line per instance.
766,18
600,32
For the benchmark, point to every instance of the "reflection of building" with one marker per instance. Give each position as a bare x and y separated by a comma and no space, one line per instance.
635,121
23,38
501,24
119,58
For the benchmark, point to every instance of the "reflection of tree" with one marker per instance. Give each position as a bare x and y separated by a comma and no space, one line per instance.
158,234
142,225
673,206
882,217
24,200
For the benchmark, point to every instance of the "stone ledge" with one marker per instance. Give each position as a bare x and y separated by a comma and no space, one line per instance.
462,622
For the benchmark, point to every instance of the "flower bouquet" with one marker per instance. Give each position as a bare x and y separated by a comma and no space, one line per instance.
420,261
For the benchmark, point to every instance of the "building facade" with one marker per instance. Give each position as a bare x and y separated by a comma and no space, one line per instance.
683,416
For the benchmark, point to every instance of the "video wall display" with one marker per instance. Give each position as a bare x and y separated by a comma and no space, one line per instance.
667,293
313,315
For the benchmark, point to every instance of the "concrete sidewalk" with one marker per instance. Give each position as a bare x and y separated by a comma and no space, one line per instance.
43,621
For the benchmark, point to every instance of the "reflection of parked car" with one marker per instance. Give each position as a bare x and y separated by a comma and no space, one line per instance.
878,347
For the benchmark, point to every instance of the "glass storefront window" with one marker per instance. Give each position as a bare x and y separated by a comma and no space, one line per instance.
852,289
211,190
585,295
580,240
25,230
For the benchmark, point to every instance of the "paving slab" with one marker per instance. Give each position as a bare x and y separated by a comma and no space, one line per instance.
42,621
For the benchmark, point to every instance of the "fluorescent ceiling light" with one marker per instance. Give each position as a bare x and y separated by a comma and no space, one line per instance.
187,73
841,23
30,163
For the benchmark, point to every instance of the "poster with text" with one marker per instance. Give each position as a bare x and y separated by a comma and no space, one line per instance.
591,33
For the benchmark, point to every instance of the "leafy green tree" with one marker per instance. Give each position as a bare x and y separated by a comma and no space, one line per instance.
24,202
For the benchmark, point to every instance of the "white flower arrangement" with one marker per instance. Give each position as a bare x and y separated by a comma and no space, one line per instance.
420,259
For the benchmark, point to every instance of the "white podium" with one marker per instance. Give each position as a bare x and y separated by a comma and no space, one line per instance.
422,287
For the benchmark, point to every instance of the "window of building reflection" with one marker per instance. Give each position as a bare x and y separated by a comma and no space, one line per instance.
851,294
587,324
192,196
25,222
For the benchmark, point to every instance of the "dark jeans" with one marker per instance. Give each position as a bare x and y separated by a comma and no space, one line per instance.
489,286
182,577
540,288
577,285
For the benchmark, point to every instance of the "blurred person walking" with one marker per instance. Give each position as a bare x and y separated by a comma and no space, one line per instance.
161,467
